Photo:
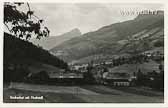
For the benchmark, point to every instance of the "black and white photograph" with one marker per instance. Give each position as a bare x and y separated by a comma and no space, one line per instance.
83,52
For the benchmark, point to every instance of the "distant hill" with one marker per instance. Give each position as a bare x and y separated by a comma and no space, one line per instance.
113,39
53,41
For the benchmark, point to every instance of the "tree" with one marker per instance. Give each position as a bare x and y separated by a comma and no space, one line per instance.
23,24
88,76
140,77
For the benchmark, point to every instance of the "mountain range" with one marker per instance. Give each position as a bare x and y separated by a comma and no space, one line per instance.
114,40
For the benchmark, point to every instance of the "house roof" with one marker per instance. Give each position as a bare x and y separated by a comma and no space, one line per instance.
117,75
65,75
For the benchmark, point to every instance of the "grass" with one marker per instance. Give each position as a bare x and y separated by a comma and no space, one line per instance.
137,91
99,90
106,94
48,97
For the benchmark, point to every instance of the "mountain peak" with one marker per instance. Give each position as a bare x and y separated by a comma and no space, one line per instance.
50,42
75,31
111,40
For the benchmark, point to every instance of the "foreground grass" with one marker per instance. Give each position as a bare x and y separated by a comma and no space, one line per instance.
48,97
106,94
139,91
131,90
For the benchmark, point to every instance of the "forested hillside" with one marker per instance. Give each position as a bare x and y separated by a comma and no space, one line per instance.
19,54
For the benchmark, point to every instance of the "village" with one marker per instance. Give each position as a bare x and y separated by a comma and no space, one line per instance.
105,72
83,82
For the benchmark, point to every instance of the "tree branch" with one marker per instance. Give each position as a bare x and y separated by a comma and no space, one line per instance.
28,6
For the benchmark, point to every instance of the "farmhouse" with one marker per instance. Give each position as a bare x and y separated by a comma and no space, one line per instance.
118,79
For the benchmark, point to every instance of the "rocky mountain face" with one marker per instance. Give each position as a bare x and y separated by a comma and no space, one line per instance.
144,33
53,41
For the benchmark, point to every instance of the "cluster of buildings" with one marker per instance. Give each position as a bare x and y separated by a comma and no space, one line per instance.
100,72
102,75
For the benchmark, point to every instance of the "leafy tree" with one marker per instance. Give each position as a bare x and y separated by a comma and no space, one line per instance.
23,24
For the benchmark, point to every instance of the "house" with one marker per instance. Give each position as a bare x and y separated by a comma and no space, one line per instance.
39,77
65,75
65,78
78,66
117,79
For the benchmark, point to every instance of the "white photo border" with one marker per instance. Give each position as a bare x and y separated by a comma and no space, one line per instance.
92,105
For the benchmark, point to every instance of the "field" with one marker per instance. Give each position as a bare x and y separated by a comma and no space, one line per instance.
81,94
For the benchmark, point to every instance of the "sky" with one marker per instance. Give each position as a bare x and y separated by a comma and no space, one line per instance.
61,18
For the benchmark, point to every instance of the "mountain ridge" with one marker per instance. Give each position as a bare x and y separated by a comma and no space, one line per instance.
112,38
53,41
